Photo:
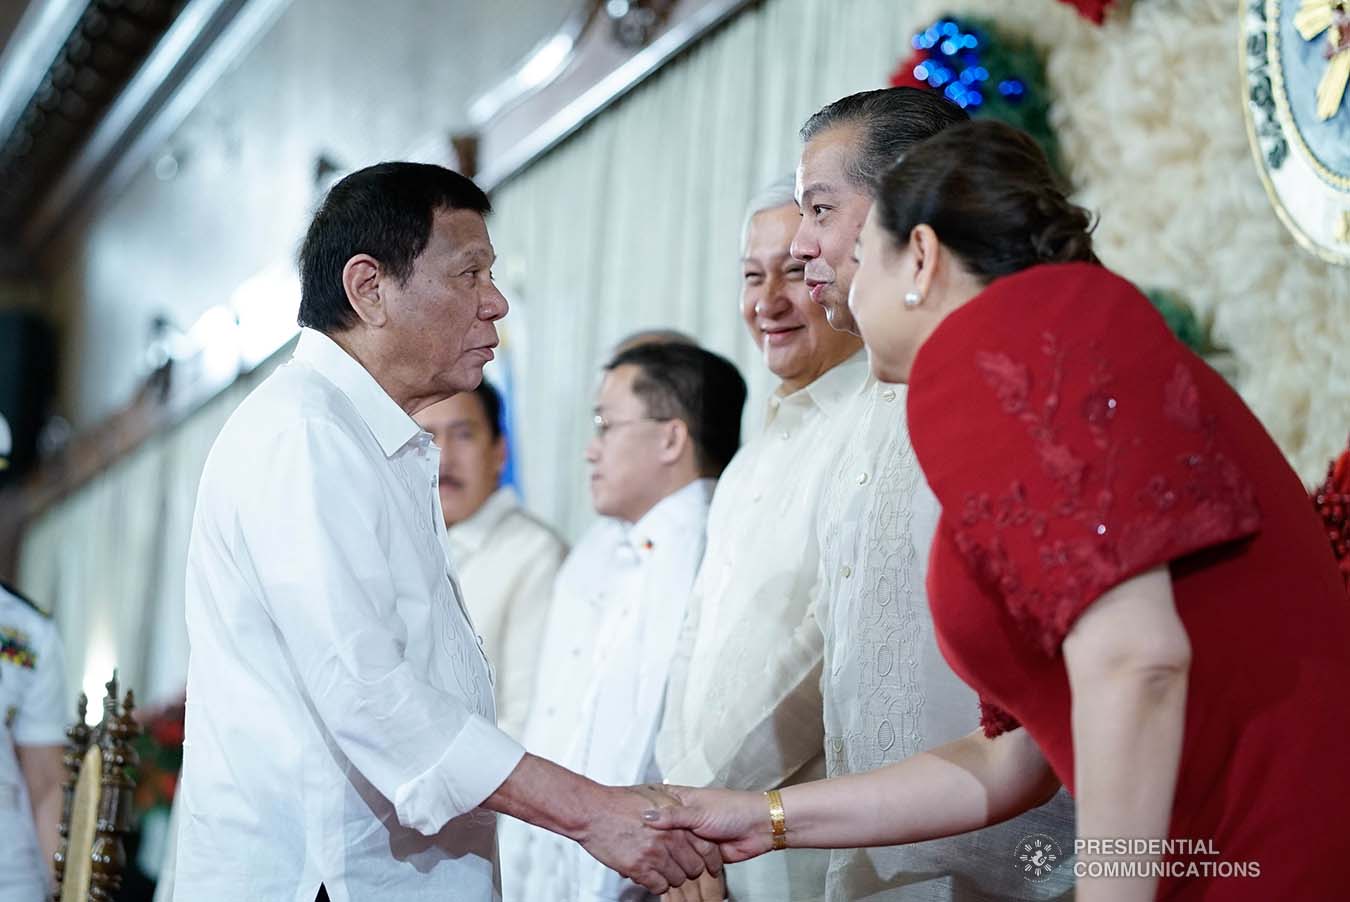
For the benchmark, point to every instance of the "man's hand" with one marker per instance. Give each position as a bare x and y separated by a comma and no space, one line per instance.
708,888
606,821
617,837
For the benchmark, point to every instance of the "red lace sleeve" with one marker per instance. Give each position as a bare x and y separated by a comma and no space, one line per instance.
1065,433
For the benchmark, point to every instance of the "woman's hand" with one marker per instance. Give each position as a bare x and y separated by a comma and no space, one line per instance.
738,822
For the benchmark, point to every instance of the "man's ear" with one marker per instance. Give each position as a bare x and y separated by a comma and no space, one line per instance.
499,450
675,438
361,280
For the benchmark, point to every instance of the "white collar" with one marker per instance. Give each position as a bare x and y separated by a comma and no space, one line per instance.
670,516
830,389
390,424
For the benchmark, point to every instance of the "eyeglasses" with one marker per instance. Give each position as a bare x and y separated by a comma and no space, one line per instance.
602,425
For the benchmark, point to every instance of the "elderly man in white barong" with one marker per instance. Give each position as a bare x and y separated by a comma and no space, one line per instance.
340,737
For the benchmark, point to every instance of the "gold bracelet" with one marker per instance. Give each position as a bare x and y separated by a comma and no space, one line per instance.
777,819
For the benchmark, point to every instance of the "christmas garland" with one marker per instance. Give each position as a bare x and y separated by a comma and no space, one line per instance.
985,73
160,749
1180,319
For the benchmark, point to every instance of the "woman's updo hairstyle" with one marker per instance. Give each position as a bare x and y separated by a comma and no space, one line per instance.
989,193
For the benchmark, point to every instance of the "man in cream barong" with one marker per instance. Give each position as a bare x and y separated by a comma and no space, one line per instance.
850,646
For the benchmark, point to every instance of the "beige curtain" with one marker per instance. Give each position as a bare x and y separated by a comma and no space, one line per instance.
108,561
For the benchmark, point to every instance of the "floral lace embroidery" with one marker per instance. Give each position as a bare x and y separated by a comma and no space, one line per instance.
1202,500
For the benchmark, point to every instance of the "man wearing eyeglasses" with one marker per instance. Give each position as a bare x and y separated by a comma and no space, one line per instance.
667,421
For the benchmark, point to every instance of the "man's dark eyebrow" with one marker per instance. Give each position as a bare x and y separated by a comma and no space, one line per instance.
475,254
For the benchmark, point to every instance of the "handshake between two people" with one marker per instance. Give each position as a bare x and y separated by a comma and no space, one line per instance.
720,826
663,837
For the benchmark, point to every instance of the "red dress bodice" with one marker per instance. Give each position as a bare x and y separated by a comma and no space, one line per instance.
1073,444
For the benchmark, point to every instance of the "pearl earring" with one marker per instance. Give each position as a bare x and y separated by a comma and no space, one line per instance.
912,299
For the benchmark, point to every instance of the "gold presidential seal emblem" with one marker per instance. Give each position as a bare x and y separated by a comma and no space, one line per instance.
1296,67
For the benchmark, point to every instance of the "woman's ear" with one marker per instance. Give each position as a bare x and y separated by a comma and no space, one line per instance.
361,282
925,249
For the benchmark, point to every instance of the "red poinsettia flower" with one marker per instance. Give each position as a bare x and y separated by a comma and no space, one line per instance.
904,77
1093,10
1332,500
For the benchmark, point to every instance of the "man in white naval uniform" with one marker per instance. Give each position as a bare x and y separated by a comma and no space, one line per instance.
33,720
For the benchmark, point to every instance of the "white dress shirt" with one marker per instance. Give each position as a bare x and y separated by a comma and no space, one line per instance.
340,714
888,692
507,561
33,710
612,633
744,704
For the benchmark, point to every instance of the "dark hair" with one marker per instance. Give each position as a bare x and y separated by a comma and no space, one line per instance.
685,382
655,337
989,192
384,210
491,399
892,120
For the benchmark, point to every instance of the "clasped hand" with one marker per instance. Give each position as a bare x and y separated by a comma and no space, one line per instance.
659,859
736,823
674,839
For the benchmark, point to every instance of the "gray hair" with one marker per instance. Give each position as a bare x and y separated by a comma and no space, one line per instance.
778,193
890,121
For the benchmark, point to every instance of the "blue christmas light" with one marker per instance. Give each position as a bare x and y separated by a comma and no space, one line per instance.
950,62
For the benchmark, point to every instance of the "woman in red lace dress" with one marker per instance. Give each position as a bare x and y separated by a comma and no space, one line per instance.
1126,570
